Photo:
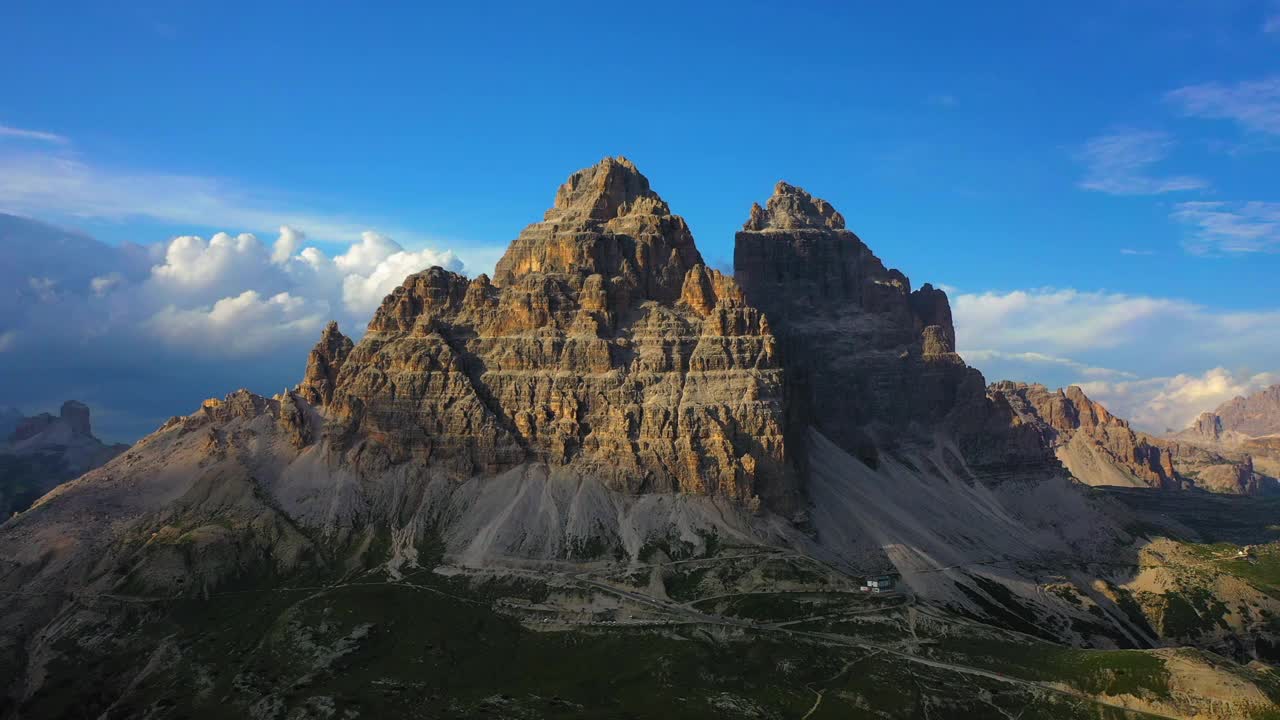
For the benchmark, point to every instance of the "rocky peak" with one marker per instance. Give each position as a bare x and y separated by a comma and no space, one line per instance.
72,418
795,258
1097,447
1063,410
867,357
76,414
610,188
323,365
791,208
1241,417
1207,426
606,221
603,345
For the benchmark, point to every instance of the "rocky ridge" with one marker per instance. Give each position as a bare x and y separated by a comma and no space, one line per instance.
1257,415
1099,448
1243,427
1249,425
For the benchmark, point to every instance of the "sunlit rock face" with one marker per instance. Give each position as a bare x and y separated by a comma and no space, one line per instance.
602,342
1098,448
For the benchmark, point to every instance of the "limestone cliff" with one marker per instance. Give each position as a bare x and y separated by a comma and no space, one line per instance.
1099,448
1234,422
1257,415
870,363
604,344
1243,428
323,365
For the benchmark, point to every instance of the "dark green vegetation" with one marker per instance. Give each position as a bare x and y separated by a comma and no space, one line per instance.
712,632
375,648
454,646
1217,537
23,479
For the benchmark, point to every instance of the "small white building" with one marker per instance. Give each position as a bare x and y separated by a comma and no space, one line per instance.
878,584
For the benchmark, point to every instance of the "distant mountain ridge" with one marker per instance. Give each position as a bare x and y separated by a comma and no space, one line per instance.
1242,425
1101,449
38,453
1257,415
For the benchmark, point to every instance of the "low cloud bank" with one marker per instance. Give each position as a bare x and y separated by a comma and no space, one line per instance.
136,328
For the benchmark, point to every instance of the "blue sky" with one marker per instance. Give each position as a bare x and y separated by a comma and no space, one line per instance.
1105,169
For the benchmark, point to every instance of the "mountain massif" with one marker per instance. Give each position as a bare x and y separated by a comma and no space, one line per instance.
610,481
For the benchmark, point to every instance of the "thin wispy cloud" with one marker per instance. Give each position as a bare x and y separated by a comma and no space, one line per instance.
43,182
1272,25
1134,251
1222,227
7,131
1254,105
1121,164
982,356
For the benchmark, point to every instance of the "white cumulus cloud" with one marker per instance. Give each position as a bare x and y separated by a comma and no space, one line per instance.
1172,403
166,325
286,244
1154,360
244,324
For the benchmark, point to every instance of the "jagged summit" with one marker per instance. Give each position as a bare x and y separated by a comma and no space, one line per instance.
1098,448
72,421
791,208
323,365
865,355
606,221
39,452
611,187
603,344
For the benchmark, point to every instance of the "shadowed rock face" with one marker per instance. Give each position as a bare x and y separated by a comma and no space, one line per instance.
605,344
870,362
43,451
